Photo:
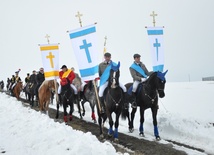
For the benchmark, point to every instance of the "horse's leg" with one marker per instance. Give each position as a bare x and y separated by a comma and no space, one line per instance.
116,126
57,110
154,116
79,108
92,113
71,111
110,130
141,122
131,121
83,107
65,112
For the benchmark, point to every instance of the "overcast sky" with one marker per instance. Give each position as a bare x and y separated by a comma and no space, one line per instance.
188,33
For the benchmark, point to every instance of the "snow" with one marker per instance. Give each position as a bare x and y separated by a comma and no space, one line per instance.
186,115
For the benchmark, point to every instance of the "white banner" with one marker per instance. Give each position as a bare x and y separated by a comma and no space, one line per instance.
156,44
84,42
50,60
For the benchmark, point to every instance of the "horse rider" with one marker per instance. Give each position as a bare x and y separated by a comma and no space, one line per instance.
102,68
17,79
27,78
77,82
8,83
139,73
40,77
2,85
12,81
66,74
32,79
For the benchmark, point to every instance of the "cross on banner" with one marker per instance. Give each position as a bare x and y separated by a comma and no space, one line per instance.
86,46
156,44
50,56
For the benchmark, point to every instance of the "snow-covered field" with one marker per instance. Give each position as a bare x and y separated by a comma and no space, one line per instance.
186,115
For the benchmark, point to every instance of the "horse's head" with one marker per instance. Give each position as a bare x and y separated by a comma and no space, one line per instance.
51,85
114,76
161,80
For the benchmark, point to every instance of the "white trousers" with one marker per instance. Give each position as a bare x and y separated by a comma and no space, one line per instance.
135,84
103,87
72,86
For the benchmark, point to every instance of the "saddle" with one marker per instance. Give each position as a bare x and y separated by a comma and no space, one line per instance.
139,88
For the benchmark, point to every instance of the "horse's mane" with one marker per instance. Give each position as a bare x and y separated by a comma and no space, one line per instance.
151,77
90,85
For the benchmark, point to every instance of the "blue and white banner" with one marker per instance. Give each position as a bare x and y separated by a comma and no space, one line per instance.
84,42
156,44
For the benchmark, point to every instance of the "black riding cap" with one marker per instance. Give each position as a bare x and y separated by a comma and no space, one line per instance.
107,54
63,66
136,56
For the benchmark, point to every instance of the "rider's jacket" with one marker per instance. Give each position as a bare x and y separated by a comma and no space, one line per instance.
66,77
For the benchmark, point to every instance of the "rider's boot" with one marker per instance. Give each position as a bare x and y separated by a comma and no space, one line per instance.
102,105
134,104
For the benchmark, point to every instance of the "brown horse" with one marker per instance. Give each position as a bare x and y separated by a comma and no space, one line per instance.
17,89
44,93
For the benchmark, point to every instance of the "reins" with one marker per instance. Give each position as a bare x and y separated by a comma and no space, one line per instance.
116,102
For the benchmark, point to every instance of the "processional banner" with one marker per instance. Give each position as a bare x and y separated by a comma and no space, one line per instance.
156,44
85,46
50,60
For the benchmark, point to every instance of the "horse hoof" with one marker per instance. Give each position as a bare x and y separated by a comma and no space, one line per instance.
109,135
116,140
158,138
142,134
83,114
95,121
101,136
131,130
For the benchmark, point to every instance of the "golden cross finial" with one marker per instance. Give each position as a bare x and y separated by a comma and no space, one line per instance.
153,16
104,51
105,41
47,36
79,17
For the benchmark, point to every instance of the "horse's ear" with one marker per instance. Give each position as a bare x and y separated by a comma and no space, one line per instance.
161,75
165,72
118,65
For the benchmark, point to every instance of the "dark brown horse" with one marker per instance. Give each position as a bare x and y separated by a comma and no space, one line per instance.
17,89
44,93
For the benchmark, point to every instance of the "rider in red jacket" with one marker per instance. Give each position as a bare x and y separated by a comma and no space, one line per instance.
66,76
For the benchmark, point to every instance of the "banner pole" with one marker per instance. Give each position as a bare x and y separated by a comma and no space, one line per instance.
96,93
56,91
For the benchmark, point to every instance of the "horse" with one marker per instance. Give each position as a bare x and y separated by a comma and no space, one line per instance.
114,101
89,95
147,97
17,89
30,89
68,99
44,93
